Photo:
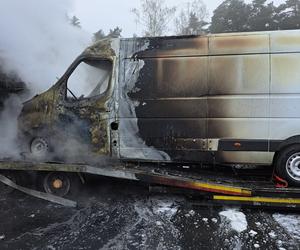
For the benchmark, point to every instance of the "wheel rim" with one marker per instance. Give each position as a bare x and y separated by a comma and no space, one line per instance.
39,147
57,184
293,166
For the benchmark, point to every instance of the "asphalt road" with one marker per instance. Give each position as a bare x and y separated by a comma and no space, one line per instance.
121,215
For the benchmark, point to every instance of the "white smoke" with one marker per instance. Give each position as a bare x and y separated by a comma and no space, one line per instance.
37,43
8,126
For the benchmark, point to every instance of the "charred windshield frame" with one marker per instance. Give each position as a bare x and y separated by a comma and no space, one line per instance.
71,70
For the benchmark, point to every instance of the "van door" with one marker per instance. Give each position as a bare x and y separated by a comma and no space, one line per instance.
86,114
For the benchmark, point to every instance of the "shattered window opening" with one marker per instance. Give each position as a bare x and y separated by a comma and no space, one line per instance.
89,79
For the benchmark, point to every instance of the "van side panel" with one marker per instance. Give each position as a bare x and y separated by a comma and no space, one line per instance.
238,101
191,98
285,85
238,44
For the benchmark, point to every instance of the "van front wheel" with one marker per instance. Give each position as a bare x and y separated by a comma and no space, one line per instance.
287,165
39,148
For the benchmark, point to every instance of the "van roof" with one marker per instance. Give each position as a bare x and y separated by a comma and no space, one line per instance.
108,48
222,34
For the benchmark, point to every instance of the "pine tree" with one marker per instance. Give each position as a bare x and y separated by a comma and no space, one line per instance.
195,25
289,15
230,16
99,35
75,22
191,19
115,33
262,16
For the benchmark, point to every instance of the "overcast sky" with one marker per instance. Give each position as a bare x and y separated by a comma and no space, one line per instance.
102,14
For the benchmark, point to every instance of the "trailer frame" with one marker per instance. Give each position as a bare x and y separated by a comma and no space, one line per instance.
212,189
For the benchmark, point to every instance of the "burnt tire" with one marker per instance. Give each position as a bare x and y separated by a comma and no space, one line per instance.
61,184
287,164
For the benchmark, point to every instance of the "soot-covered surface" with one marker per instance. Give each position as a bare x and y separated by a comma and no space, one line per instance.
121,215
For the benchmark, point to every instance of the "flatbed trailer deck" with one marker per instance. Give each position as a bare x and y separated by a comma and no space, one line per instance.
213,188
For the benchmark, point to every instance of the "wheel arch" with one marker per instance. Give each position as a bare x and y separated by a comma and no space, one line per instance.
287,142
284,144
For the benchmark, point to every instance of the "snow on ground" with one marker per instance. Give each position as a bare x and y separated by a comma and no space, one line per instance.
165,207
291,223
108,218
236,219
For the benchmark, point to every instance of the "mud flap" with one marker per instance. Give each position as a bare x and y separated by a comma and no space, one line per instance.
37,194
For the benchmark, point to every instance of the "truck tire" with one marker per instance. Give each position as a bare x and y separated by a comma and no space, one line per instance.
61,184
287,165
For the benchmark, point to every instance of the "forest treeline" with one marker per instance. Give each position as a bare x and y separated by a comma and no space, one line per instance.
156,18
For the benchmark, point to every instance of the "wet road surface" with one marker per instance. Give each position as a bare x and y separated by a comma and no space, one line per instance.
122,215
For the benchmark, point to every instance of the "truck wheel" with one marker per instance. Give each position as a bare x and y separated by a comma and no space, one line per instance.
39,148
61,184
287,165
57,184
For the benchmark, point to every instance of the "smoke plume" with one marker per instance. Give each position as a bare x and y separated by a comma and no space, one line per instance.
37,43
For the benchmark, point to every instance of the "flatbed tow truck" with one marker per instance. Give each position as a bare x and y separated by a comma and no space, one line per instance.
225,188
216,99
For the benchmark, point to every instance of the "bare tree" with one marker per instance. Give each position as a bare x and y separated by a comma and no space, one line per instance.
154,16
191,19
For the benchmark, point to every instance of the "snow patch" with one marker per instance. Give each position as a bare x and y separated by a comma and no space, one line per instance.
159,223
192,212
205,219
214,220
252,233
291,224
272,235
165,207
236,219
258,224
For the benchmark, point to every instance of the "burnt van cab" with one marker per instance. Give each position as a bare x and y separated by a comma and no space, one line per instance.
230,99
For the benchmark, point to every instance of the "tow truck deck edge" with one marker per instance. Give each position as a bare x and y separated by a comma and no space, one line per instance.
219,191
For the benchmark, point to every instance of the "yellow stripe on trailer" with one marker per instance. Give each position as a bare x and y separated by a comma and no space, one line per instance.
223,188
258,199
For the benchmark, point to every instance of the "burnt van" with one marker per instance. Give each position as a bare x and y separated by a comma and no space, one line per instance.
230,99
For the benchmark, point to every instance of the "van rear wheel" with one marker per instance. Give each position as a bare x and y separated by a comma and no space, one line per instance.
287,165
